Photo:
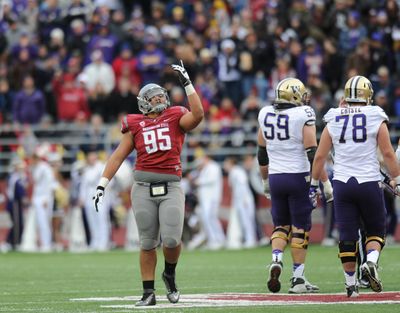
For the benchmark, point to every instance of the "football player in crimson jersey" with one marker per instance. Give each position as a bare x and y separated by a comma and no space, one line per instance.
157,197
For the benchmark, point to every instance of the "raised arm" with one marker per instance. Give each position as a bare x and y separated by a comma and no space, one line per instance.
192,118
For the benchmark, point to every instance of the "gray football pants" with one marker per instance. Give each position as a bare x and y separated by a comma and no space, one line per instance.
162,215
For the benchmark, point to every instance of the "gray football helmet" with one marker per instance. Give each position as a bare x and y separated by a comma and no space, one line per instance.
147,93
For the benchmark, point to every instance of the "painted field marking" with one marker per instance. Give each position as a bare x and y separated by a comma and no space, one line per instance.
248,299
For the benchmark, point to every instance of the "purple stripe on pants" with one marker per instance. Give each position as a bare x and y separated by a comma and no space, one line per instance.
290,202
359,205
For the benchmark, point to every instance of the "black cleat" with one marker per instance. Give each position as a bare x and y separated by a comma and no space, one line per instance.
149,298
173,293
370,271
275,270
352,291
363,283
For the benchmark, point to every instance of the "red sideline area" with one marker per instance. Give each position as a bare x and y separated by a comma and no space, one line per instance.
118,234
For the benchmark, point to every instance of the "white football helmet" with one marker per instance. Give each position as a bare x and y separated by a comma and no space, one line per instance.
291,90
147,93
358,89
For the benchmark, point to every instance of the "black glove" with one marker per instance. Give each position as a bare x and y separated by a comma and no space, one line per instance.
182,74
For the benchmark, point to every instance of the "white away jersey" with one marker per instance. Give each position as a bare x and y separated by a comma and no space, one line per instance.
354,136
283,131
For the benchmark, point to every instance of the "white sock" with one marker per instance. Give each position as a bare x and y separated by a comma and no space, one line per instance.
373,256
350,278
298,271
277,255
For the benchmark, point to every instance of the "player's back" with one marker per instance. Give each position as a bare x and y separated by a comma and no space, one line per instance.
354,136
283,131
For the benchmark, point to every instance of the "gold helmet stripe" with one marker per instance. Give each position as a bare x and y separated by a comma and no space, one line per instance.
353,87
277,95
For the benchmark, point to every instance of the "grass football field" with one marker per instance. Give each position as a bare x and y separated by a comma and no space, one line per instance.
110,282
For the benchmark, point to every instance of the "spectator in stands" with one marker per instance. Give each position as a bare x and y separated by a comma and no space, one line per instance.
29,103
29,16
351,35
104,41
100,81
382,81
229,73
94,135
70,98
76,10
6,100
310,58
77,38
100,76
50,17
151,60
125,65
122,100
360,59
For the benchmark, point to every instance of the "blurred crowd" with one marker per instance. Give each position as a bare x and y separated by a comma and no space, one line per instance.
66,60
81,63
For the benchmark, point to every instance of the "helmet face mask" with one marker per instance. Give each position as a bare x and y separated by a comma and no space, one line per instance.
358,90
291,91
147,93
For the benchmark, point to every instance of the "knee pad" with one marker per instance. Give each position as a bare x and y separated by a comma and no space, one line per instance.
303,245
348,251
280,232
378,239
148,244
170,242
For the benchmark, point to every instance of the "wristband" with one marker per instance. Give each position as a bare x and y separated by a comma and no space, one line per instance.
398,153
103,182
189,89
314,182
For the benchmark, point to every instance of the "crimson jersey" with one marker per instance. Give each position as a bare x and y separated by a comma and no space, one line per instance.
158,141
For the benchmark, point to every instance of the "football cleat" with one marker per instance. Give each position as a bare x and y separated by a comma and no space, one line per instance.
352,291
301,285
370,271
363,283
275,270
149,298
312,288
173,293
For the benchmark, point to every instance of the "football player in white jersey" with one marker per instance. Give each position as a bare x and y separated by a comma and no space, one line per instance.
355,132
286,146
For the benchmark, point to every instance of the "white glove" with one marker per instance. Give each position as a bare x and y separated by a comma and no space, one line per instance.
98,197
182,73
397,187
328,191
267,190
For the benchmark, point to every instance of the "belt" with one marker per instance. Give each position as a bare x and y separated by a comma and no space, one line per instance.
168,183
